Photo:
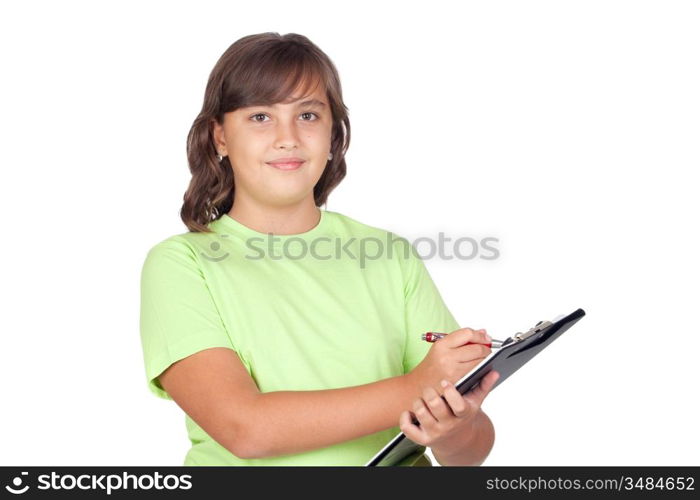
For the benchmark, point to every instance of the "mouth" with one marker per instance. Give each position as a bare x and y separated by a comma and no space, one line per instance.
291,165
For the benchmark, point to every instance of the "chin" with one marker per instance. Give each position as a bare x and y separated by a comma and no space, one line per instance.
280,197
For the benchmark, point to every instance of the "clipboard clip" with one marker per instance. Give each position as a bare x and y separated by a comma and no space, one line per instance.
519,337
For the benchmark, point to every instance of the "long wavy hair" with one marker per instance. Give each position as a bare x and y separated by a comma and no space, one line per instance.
261,69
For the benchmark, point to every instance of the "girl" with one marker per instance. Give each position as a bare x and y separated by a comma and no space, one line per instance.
290,335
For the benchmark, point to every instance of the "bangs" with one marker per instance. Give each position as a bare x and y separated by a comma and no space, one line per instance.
281,75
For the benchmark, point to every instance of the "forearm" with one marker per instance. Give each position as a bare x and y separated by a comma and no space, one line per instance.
287,422
472,447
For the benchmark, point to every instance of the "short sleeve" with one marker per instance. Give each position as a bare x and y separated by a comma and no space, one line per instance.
178,315
425,310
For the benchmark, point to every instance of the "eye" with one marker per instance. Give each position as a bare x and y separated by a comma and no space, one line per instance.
254,117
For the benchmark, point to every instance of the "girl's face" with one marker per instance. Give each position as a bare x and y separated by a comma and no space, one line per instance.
254,136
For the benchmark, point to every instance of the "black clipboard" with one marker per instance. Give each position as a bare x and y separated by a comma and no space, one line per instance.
514,353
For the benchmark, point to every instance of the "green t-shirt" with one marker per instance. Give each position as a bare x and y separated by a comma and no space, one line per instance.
303,312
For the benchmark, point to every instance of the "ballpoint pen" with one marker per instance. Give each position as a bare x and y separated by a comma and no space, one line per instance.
433,336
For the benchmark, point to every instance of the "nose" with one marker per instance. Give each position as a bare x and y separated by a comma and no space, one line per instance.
287,136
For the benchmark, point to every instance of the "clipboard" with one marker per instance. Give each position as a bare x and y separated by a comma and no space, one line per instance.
514,353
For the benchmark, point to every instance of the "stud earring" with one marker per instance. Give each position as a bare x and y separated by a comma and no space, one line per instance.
330,156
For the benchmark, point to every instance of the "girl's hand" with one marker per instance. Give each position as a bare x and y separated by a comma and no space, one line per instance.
450,358
443,420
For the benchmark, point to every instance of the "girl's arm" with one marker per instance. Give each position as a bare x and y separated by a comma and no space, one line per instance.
213,387
297,421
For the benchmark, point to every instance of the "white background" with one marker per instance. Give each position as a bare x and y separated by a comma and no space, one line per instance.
568,130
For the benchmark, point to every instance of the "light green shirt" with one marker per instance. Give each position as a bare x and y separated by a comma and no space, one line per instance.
323,318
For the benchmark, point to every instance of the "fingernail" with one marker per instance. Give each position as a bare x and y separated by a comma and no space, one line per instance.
488,337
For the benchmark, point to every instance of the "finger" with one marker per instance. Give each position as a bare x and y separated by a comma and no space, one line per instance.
437,406
464,335
411,430
479,393
459,337
459,406
471,352
423,414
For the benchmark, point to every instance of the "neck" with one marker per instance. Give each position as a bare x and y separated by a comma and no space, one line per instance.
281,220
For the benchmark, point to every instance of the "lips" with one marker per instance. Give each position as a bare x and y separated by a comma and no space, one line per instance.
286,163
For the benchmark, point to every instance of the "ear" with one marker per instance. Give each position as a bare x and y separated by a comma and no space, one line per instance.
217,132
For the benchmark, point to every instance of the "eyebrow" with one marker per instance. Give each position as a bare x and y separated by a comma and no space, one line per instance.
310,103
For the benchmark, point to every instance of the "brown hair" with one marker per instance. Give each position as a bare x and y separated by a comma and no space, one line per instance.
261,69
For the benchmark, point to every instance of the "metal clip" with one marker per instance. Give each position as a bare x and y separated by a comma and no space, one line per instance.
532,331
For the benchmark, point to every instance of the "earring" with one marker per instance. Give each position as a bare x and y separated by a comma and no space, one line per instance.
330,156
219,157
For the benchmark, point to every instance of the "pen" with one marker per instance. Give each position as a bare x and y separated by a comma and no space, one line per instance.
433,336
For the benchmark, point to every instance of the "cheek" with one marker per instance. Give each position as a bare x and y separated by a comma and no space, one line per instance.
320,133
249,151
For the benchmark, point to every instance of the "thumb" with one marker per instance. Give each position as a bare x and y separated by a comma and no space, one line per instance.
484,387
